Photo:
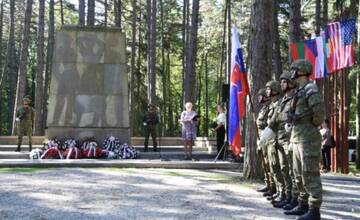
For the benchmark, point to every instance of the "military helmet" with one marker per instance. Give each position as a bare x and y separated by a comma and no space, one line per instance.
274,86
301,65
26,99
262,92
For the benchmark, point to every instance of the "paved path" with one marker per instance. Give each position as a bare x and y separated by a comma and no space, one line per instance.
109,193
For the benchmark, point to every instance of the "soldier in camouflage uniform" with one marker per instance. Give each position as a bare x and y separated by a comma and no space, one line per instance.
25,119
273,90
307,114
150,120
277,124
261,122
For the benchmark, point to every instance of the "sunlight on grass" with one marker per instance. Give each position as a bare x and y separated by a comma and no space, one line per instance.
22,170
352,169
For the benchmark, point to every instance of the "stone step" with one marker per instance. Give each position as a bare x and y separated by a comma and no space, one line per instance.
139,148
137,163
24,154
138,141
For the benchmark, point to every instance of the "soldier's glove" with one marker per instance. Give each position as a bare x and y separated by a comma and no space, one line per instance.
17,119
145,124
288,127
266,135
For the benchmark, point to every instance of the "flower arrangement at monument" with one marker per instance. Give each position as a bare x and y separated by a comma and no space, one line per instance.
112,148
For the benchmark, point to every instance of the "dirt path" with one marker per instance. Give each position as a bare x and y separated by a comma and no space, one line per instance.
76,193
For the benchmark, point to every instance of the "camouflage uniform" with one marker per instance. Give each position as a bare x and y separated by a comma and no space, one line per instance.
26,116
308,114
150,120
261,122
277,124
272,152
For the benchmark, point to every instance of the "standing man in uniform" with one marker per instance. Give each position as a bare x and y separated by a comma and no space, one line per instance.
277,124
268,137
25,120
261,123
150,120
307,115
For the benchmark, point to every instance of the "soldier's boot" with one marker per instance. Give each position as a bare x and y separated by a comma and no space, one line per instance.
30,147
263,189
280,198
274,196
18,148
312,214
282,203
146,149
298,210
155,148
292,204
270,192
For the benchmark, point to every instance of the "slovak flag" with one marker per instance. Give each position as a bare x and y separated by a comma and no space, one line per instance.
239,88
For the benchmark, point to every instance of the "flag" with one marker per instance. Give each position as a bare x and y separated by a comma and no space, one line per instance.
239,88
320,64
297,51
339,38
310,52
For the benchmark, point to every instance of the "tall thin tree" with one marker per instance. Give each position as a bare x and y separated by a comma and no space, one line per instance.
39,90
91,13
81,12
21,84
276,42
190,75
49,58
260,53
152,52
132,63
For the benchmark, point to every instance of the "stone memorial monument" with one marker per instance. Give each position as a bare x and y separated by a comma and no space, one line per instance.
89,85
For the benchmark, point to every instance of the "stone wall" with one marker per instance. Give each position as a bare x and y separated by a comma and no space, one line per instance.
89,85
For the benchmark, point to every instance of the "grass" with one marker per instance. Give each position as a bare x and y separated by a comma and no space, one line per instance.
352,169
21,170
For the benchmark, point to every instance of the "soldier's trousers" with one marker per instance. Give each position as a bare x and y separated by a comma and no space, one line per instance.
24,131
269,181
294,189
150,131
274,164
306,158
284,168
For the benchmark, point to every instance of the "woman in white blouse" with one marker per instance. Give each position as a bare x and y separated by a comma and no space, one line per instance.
220,130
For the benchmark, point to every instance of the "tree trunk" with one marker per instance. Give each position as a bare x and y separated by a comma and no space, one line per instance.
260,52
49,58
91,13
10,66
206,96
117,12
105,12
358,121
21,84
62,12
152,52
1,61
81,12
317,17
184,47
190,75
223,46
132,65
294,22
358,103
163,73
39,92
276,42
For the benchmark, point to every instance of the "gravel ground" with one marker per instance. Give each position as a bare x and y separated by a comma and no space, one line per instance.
76,193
